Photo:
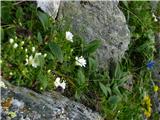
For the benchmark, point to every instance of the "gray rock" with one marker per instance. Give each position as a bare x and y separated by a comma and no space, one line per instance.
156,70
98,20
49,6
20,103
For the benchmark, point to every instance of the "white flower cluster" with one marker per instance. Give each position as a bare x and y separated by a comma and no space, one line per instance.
11,41
80,61
59,83
33,61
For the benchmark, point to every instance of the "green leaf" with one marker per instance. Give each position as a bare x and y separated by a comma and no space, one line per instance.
81,77
19,13
92,64
108,89
41,60
2,33
43,79
116,90
92,46
44,18
39,37
77,95
114,99
6,12
103,88
56,51
125,3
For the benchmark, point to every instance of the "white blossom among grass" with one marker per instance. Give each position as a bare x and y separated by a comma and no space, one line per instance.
26,50
11,40
34,61
22,43
69,36
45,55
59,83
15,45
33,49
29,61
155,18
80,61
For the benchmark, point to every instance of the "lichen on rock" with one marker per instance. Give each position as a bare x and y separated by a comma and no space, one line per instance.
24,104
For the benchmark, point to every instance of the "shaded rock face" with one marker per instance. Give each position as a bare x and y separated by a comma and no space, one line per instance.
98,20
24,104
156,71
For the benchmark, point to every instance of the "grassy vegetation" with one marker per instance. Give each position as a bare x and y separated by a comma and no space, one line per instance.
36,51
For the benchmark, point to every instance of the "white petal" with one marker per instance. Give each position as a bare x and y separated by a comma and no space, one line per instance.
15,45
80,61
69,36
57,81
33,49
63,84
11,40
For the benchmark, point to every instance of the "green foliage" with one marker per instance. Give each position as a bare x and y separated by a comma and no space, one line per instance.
43,53
44,18
56,50
39,38
92,46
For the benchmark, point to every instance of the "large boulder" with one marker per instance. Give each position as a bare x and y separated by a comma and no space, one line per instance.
96,20
20,103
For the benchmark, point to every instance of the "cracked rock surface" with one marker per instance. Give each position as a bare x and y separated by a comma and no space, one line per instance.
20,103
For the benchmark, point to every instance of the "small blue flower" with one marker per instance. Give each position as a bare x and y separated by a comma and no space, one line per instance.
150,64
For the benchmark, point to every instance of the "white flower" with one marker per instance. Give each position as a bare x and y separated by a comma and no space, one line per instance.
80,61
15,45
58,83
11,73
155,18
41,88
22,43
33,61
49,71
35,64
2,84
69,36
26,50
33,49
11,40
26,56
153,15
30,60
37,54
45,55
